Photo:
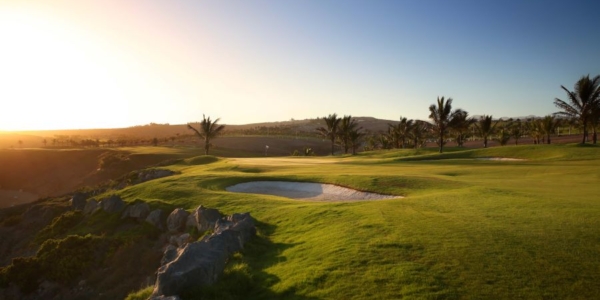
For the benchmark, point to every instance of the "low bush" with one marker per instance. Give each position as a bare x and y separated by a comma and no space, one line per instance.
59,260
60,225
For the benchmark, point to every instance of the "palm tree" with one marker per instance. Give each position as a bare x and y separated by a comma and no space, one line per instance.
399,133
460,125
503,136
485,128
355,137
535,130
418,134
581,101
208,130
548,126
594,121
394,134
516,131
441,115
330,132
384,141
346,126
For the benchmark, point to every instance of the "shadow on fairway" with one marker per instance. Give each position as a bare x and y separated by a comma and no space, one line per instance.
245,276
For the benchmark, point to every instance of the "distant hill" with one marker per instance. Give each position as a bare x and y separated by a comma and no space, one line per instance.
144,133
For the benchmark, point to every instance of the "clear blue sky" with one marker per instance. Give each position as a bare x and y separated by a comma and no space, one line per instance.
115,63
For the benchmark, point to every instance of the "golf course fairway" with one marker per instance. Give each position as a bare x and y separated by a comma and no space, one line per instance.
527,227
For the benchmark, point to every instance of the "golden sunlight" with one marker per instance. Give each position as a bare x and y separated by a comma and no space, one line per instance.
52,74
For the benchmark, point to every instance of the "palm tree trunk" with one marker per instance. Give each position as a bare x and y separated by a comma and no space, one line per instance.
441,142
485,142
332,145
206,145
584,131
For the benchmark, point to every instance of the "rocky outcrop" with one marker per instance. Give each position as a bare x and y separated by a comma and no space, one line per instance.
203,218
177,220
113,204
156,218
78,201
180,240
138,211
90,207
202,263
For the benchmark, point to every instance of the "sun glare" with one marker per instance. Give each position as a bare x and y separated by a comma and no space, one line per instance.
52,75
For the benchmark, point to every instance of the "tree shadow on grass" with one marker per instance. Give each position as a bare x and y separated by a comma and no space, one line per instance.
245,276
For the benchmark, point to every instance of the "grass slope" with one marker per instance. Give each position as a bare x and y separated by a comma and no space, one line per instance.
467,229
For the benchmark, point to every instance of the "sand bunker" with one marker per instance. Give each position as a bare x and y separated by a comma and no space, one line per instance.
306,191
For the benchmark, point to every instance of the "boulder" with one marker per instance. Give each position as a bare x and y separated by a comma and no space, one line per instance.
183,239
113,204
138,211
90,207
202,263
180,240
203,218
237,217
169,255
156,218
177,220
78,201
223,224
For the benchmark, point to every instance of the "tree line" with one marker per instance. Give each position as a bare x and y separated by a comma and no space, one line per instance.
581,109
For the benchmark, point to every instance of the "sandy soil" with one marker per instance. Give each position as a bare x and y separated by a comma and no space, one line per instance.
306,191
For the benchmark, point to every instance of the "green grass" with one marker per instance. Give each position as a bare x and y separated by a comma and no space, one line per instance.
467,229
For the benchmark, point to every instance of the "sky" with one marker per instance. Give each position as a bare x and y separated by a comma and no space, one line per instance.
111,63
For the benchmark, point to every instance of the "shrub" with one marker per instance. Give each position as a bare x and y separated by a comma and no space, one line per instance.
64,260
23,271
60,225
60,260
142,294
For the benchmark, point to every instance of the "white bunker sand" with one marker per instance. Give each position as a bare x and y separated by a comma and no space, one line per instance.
306,191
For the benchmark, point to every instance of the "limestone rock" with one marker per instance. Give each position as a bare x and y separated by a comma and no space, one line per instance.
156,218
202,263
203,218
113,204
177,220
78,201
90,207
169,255
138,211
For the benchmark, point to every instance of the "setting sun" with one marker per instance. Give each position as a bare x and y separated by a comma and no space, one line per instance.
53,75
